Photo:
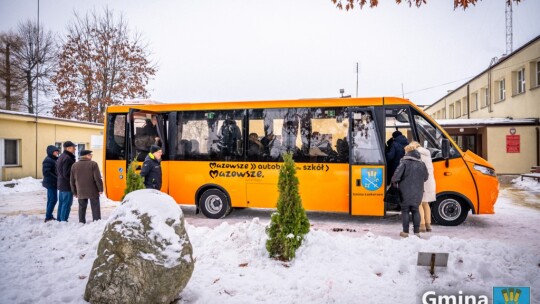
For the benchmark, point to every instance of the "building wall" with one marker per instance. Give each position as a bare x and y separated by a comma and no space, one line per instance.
50,131
515,105
485,89
511,163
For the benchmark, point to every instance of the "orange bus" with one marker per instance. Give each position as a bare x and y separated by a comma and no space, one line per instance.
224,155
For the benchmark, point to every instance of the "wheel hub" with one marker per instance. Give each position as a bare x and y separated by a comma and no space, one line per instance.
213,204
450,209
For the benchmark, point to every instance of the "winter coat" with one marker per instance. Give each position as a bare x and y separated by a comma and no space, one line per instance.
395,152
430,194
63,170
151,171
86,179
411,175
49,168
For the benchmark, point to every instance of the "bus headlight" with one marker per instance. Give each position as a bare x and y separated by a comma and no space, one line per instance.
485,170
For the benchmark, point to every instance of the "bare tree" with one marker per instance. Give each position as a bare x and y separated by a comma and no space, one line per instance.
11,88
350,4
35,59
100,64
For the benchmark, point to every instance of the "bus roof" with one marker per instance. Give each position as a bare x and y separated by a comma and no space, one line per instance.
267,104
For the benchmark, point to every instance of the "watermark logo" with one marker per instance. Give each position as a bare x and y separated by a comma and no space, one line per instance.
431,297
511,295
372,178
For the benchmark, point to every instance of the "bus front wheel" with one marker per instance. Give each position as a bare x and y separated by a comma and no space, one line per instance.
214,204
449,210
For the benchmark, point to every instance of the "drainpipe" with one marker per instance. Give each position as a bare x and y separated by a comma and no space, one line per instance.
493,62
468,104
537,146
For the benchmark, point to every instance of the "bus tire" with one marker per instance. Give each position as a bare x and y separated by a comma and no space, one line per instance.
214,204
449,210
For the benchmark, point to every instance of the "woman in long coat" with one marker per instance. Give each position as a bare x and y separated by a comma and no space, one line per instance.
430,194
410,175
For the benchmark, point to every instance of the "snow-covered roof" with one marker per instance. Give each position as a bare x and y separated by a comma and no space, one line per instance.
141,102
24,114
486,121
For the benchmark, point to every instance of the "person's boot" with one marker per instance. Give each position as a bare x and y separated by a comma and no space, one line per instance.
422,228
51,219
403,234
428,228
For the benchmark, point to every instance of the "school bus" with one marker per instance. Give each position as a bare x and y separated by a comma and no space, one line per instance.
224,155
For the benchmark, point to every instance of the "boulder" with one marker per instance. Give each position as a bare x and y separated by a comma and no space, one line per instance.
144,255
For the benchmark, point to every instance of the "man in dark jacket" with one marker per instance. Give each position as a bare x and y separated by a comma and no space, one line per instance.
63,171
410,175
394,152
151,168
86,185
49,181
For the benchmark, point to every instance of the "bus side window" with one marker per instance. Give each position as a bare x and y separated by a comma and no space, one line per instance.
431,138
366,147
398,135
209,135
327,139
290,130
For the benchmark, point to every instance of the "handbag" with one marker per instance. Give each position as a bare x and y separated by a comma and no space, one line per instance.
393,195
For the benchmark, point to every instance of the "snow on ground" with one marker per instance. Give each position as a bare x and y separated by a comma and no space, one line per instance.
527,183
343,260
23,185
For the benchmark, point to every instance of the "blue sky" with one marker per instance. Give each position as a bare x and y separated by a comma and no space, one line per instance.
255,50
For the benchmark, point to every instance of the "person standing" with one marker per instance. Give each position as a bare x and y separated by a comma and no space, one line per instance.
410,175
151,168
50,181
63,172
430,194
86,184
394,152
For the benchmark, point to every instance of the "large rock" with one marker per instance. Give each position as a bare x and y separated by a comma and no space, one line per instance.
144,255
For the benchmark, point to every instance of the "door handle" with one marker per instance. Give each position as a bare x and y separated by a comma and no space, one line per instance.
358,184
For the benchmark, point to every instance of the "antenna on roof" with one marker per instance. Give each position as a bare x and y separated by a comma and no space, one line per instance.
509,43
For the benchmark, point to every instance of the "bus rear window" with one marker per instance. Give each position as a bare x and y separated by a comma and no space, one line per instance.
116,137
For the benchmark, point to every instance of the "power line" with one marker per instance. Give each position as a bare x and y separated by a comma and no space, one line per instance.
435,86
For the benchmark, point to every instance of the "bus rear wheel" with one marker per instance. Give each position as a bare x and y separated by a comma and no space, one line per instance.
449,210
214,204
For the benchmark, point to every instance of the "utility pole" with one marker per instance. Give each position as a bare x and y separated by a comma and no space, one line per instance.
357,80
402,92
38,58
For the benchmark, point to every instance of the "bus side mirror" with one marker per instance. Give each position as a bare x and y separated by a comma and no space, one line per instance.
445,148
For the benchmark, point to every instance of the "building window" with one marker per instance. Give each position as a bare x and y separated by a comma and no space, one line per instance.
502,90
538,73
485,99
451,110
465,106
78,150
11,152
520,81
458,109
474,101
443,113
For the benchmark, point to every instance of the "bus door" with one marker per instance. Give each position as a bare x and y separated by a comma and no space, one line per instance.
366,169
146,128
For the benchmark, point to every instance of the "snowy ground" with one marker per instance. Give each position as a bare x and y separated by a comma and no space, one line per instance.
343,260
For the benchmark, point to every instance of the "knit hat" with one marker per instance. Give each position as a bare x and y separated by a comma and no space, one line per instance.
396,134
68,144
154,149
